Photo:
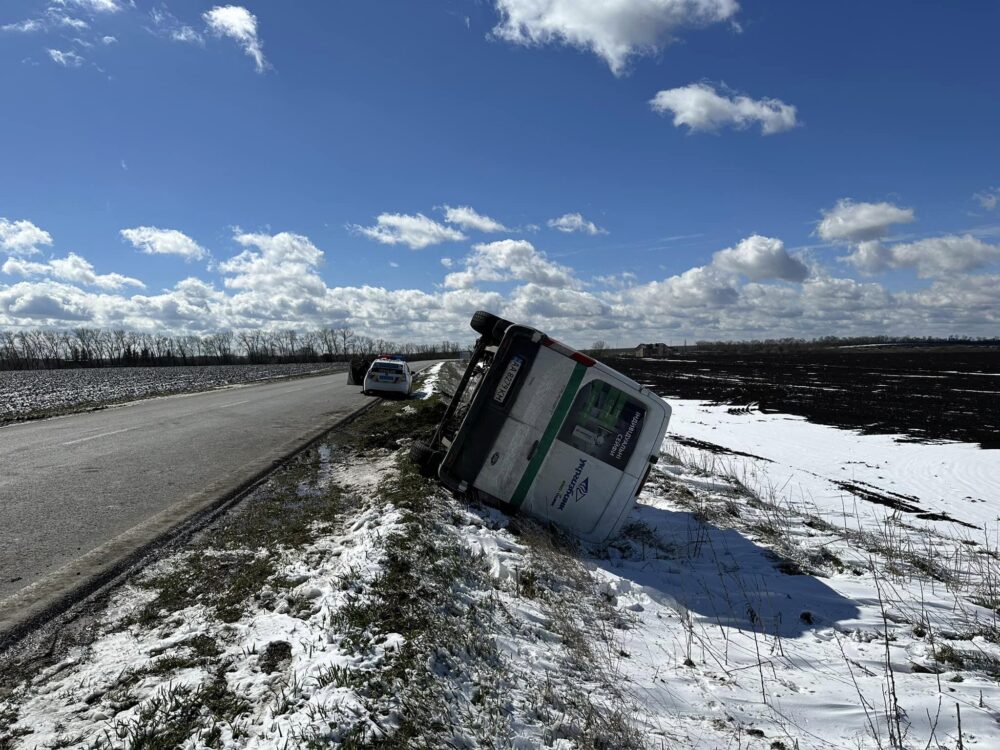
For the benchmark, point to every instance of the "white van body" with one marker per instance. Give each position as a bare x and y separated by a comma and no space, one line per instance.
554,433
388,376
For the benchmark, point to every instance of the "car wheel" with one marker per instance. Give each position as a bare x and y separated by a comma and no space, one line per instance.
426,458
489,326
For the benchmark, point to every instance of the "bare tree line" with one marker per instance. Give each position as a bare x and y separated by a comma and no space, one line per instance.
100,347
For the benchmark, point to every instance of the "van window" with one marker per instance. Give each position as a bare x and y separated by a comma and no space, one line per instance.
604,422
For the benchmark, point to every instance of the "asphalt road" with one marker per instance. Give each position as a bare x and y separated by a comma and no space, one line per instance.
81,491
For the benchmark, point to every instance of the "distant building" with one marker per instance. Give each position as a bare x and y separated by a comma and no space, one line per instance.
652,350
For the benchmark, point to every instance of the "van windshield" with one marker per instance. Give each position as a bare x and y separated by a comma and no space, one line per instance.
604,422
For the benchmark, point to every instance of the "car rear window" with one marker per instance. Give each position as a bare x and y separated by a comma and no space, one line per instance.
387,367
604,422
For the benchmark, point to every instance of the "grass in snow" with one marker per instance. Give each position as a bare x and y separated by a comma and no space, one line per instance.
413,641
353,603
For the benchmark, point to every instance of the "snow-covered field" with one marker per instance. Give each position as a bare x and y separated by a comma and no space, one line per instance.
772,598
28,393
780,585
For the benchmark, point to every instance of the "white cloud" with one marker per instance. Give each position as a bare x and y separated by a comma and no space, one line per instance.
622,280
989,199
575,223
699,107
56,17
71,268
510,260
614,30
239,24
931,257
28,26
760,258
22,237
274,282
416,232
698,287
46,303
471,220
187,35
166,25
284,264
95,6
858,222
155,241
68,59
106,40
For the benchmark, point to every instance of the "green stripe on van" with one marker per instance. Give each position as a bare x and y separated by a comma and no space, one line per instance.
558,416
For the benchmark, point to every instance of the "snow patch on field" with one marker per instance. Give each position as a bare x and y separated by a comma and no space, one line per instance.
842,473
28,393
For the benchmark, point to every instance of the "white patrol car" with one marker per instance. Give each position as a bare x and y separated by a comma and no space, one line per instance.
388,376
548,431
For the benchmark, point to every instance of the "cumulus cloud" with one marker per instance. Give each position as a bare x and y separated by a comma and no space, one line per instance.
699,107
156,241
71,268
698,287
46,303
239,24
989,199
859,222
471,220
575,223
68,58
414,231
274,281
284,264
931,257
760,258
510,260
22,237
615,31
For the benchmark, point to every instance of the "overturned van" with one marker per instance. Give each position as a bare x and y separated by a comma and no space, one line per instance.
539,428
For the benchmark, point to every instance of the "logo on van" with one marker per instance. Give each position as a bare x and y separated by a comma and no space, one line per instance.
575,489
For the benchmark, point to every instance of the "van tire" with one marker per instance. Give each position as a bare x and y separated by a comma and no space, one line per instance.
491,327
426,459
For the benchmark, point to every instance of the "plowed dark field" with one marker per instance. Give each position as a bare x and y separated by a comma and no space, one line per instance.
935,394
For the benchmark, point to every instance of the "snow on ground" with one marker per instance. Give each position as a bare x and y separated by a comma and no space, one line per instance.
811,463
732,635
429,385
756,599
113,691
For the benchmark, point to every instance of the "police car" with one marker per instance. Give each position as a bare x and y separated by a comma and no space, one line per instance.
388,376
539,428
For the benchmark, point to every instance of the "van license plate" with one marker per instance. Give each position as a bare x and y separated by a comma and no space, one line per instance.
509,376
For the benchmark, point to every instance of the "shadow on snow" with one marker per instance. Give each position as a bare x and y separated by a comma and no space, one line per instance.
721,575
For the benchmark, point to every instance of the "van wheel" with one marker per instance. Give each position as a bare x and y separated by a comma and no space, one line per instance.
489,325
426,458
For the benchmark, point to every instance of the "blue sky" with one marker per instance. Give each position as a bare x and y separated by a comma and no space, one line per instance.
662,169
